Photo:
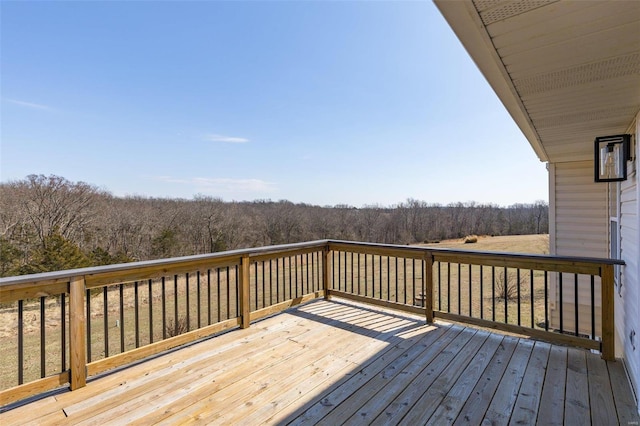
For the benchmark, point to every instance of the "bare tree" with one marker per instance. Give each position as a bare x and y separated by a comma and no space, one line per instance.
109,229
54,205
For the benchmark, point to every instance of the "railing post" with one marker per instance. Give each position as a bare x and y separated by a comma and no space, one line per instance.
326,257
77,333
608,321
428,296
245,308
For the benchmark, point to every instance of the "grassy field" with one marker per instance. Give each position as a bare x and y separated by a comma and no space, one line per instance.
376,278
533,244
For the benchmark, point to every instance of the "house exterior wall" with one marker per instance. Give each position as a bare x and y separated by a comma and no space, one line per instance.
579,221
627,303
580,214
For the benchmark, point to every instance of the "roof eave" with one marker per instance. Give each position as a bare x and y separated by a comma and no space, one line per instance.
468,27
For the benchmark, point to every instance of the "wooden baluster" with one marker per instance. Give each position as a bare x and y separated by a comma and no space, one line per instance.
608,327
245,309
428,290
77,331
326,255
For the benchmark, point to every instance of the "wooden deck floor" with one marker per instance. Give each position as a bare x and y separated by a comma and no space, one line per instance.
335,363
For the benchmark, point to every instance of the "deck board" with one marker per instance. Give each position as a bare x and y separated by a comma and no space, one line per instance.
553,388
480,397
423,408
526,408
503,401
407,386
625,405
600,393
336,362
450,407
416,403
577,390
358,398
353,382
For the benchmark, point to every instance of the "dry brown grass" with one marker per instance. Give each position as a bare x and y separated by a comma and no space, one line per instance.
533,244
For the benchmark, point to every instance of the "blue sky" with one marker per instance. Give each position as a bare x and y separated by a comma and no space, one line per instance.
325,102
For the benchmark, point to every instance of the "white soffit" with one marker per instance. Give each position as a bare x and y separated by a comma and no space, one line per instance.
567,71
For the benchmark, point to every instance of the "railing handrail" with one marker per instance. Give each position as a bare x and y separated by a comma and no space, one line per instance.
512,255
176,261
170,262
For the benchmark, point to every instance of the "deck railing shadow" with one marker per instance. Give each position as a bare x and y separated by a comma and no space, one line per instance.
404,354
344,324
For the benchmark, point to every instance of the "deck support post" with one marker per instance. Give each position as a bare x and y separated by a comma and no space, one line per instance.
245,309
428,289
608,320
326,258
77,333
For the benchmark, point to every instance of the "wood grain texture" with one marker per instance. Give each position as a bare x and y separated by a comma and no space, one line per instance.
244,292
407,387
528,402
480,397
430,390
77,333
576,406
335,362
625,404
278,307
451,405
404,347
562,339
128,357
428,283
326,283
32,290
36,387
503,401
377,302
553,389
603,410
608,316
523,261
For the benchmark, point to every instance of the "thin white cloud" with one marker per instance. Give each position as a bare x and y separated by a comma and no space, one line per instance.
222,185
235,185
27,104
225,139
170,179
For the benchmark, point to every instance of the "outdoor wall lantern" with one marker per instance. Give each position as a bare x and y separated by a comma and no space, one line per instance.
611,155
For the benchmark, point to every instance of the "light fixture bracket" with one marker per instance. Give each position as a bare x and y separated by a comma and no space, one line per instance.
611,154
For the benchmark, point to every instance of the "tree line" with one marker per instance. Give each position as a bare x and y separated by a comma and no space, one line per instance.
49,223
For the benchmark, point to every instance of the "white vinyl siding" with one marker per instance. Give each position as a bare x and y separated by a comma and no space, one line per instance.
627,307
581,211
581,228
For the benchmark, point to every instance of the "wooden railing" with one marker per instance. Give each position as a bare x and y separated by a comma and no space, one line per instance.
74,324
565,300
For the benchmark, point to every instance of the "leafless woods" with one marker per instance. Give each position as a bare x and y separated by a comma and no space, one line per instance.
50,223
